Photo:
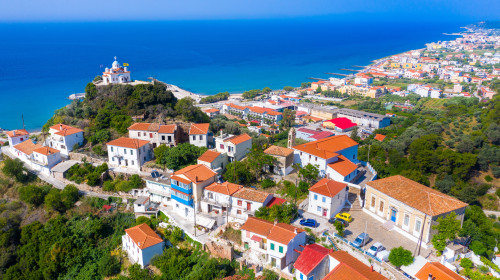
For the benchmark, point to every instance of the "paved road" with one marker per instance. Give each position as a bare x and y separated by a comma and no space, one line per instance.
53,181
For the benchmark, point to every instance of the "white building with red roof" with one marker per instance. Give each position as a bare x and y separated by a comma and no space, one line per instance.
157,134
17,136
312,263
64,138
335,157
38,157
327,198
129,153
141,244
117,74
200,135
214,160
236,147
277,244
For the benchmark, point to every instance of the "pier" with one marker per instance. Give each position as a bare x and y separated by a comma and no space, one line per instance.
338,74
352,70
357,66
318,79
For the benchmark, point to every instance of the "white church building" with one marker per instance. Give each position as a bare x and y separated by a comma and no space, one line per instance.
118,74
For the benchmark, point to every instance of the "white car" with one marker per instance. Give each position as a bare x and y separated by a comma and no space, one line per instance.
383,255
375,248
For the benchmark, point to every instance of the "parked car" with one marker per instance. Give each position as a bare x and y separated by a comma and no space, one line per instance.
344,216
333,220
309,223
383,255
361,240
376,248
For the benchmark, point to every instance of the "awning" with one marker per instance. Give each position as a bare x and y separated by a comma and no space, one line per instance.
256,238
204,222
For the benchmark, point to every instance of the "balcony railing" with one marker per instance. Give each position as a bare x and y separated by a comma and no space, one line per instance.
215,202
185,189
188,202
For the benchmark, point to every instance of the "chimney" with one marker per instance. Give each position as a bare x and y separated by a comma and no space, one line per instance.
60,127
139,244
295,230
275,221
430,276
371,268
14,133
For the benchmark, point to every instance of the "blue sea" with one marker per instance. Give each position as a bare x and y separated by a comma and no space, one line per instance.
41,64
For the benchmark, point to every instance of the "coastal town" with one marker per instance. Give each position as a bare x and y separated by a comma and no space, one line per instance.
304,182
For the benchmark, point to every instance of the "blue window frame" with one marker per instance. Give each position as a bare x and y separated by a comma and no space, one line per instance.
315,197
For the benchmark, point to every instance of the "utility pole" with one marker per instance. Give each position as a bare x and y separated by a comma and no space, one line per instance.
194,208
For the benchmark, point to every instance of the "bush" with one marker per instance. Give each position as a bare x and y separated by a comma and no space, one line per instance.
488,178
400,256
33,195
15,168
496,171
466,263
267,183
498,192
97,149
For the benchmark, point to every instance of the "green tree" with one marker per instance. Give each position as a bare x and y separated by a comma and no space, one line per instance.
237,172
399,256
257,160
33,195
53,201
15,168
340,228
288,118
354,134
309,173
109,265
466,263
288,88
90,91
178,157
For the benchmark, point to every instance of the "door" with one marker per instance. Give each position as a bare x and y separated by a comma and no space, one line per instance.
393,215
249,206
324,212
186,211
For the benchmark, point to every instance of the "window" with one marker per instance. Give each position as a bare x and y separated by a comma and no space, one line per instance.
324,199
222,146
418,224
311,278
407,220
238,212
201,137
144,134
138,134
132,152
315,197
151,135
309,156
373,201
316,158
272,246
163,137
319,209
300,153
240,202
113,159
301,276
281,249
132,163
111,148
381,207
125,151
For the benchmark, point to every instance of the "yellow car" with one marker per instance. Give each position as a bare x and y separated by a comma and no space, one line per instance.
344,216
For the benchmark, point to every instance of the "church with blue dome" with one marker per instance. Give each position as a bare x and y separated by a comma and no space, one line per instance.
116,75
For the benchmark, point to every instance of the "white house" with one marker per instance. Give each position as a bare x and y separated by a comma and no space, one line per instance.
214,160
199,135
141,244
186,188
327,198
156,134
217,197
278,243
64,138
235,147
128,153
116,75
17,136
246,201
44,158
312,263
334,156
159,189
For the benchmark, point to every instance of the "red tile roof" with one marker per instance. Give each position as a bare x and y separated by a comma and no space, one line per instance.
278,151
209,156
65,130
438,271
351,268
46,151
418,196
310,257
196,173
27,147
252,195
343,166
168,128
275,201
258,226
379,137
224,188
17,132
328,147
199,128
342,123
143,236
328,187
126,142
283,233
239,139
154,127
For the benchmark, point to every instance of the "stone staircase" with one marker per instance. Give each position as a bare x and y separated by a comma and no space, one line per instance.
354,201
389,225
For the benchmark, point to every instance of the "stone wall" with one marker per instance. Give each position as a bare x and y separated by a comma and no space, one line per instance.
79,157
220,250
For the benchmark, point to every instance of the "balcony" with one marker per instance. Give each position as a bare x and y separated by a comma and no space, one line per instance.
215,202
183,188
176,197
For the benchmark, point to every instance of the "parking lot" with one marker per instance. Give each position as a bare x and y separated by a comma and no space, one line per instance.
390,239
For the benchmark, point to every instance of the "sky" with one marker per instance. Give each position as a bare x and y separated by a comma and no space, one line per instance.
140,10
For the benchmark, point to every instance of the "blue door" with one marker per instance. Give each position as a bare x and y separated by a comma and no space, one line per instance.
393,215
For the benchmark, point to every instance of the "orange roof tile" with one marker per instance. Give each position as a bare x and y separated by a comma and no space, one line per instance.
418,196
143,236
328,147
211,110
139,126
65,130
438,271
196,173
180,179
343,166
252,195
167,128
224,188
310,258
258,226
209,156
199,128
278,151
328,187
46,151
18,132
283,233
237,139
380,137
126,142
351,268
27,147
